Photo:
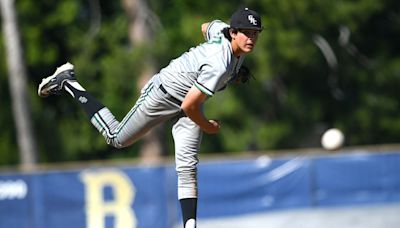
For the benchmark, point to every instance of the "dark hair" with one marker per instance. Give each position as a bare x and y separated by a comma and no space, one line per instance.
226,33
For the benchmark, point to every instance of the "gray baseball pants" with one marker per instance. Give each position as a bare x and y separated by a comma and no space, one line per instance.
153,107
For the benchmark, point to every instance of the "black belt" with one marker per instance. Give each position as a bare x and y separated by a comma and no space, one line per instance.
176,101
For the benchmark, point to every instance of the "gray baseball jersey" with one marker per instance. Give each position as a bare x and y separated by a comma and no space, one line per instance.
209,67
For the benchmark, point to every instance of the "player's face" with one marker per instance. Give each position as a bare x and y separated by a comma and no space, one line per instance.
246,39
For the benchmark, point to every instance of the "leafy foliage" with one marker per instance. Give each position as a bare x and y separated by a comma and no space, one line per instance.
295,97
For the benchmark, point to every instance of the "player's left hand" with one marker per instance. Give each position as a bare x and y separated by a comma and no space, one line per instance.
243,76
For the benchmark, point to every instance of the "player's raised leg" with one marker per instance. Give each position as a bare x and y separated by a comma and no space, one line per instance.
148,111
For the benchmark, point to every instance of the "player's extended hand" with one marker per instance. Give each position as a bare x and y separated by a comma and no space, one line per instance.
213,127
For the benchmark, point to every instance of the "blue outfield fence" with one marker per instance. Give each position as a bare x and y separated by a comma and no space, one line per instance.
145,197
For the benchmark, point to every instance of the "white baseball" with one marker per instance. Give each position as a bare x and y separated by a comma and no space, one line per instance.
332,139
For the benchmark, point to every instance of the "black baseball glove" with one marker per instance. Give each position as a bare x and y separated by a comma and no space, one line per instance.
243,76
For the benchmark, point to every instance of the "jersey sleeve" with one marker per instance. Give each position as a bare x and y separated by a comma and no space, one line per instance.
214,29
209,79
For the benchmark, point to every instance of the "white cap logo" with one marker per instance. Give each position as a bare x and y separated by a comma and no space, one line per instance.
252,19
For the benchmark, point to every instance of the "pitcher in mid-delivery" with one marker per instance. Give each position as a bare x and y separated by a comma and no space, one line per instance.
177,92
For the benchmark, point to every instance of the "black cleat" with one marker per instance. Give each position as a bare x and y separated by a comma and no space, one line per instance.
55,83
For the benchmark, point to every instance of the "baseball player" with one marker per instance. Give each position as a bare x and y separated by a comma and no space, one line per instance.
176,93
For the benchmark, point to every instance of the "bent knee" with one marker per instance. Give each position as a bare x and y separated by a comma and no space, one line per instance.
117,144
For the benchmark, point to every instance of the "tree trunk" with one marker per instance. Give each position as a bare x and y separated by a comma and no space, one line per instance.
140,32
18,87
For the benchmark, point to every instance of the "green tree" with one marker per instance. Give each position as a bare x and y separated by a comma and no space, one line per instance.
297,94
